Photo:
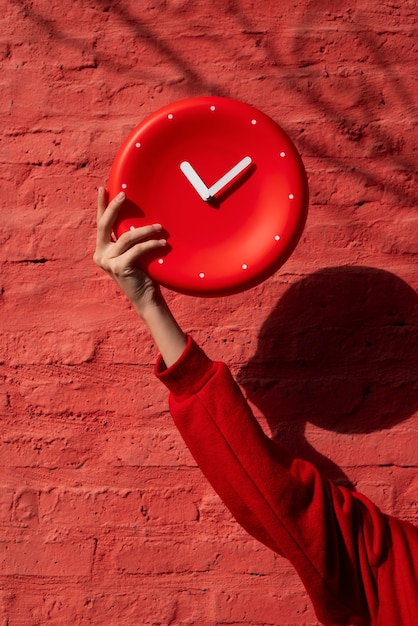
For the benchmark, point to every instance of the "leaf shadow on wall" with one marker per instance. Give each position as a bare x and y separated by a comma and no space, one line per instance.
194,81
340,351
357,126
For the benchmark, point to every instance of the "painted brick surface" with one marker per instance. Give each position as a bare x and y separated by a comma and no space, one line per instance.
104,517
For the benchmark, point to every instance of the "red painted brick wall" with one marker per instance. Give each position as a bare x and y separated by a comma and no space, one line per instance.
104,518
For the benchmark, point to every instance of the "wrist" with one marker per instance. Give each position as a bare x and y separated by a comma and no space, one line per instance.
148,306
146,297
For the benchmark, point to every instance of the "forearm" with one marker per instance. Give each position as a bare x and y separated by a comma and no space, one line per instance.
163,327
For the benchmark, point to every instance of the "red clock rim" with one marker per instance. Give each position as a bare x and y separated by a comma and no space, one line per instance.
232,283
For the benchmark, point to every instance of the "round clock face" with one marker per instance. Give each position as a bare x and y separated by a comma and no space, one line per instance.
227,185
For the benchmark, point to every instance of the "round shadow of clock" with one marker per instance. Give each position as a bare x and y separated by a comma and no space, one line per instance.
339,351
228,186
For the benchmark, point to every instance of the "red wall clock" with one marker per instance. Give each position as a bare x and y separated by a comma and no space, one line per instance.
226,183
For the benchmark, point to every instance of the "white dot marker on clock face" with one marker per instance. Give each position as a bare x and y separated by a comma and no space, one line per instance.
137,145
244,266
124,185
201,275
291,196
170,116
212,108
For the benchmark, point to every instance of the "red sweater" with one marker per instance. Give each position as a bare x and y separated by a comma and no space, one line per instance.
359,566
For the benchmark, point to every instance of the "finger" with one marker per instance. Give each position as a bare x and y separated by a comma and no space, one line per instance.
134,254
132,238
102,198
108,216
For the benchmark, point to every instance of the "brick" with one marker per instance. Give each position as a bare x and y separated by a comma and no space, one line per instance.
45,556
212,509
247,557
54,605
140,605
169,506
138,448
26,507
50,347
91,508
6,503
243,606
156,557
195,606
407,499
48,451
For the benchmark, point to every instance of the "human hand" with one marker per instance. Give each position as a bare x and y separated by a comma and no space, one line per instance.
120,259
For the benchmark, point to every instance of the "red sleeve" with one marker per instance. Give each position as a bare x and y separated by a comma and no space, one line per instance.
333,537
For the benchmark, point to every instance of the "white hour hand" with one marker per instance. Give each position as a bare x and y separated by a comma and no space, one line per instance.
195,180
229,176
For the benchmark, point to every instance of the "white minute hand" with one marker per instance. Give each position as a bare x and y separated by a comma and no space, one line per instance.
229,176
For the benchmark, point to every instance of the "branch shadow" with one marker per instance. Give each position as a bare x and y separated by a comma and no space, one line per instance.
193,80
353,123
340,351
349,123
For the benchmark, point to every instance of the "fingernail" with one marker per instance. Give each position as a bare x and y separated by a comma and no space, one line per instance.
158,227
120,196
163,242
